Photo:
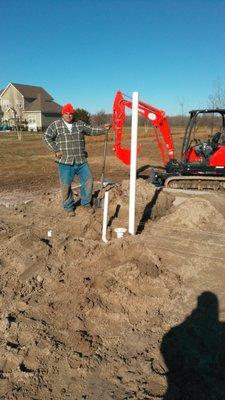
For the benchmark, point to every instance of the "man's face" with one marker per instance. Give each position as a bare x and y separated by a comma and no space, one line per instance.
68,117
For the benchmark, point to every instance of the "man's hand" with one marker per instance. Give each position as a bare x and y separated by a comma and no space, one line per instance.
107,126
58,154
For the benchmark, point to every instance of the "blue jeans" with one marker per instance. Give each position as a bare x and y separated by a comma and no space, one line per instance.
67,174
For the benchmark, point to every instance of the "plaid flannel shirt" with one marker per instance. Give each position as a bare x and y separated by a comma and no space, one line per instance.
71,144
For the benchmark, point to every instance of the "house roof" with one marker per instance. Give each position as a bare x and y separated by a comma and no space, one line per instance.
45,106
29,91
36,98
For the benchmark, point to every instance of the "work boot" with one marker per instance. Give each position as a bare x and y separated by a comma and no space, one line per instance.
71,213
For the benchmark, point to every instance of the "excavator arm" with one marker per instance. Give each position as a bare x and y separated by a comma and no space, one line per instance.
155,116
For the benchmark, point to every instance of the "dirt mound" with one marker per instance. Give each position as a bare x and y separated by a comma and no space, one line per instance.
194,213
82,319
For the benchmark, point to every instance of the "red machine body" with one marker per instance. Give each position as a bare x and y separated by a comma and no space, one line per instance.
216,159
202,156
155,116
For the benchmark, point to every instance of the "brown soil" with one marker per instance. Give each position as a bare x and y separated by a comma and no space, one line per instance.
136,318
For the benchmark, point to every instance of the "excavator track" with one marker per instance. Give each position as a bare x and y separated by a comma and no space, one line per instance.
216,183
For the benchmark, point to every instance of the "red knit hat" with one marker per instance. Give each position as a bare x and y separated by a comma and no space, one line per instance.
67,108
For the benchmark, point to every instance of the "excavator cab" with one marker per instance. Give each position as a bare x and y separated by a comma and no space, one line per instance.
202,163
204,139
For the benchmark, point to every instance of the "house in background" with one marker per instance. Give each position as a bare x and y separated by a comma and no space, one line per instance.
28,105
1,112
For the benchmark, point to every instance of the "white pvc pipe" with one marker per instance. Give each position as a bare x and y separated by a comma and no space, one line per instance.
133,163
105,217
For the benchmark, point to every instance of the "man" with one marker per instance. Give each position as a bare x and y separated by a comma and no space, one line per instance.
66,139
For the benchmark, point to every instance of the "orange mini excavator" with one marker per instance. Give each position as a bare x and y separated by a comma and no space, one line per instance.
202,162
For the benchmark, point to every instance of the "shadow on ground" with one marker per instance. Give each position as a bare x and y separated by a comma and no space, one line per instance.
194,353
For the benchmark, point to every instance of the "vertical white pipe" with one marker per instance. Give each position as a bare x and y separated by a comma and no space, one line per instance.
133,163
105,217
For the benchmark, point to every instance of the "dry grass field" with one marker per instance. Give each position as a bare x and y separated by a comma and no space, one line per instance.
28,164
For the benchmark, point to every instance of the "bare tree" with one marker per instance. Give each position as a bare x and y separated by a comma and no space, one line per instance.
181,104
101,118
16,122
217,98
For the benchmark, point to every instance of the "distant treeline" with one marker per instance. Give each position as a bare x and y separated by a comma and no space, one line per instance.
176,120
101,118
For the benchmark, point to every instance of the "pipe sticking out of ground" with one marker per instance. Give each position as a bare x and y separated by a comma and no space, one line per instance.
133,163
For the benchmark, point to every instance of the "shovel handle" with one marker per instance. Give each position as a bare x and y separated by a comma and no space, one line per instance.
104,158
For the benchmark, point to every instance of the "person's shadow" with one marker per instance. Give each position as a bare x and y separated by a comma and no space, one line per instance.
194,353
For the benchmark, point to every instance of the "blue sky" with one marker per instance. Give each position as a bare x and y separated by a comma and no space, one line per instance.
83,51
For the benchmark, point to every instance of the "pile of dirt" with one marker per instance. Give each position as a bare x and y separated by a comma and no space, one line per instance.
195,214
137,318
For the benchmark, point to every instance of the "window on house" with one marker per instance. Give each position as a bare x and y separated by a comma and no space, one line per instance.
5,104
19,104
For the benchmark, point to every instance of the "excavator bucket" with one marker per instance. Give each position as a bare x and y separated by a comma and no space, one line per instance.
124,154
